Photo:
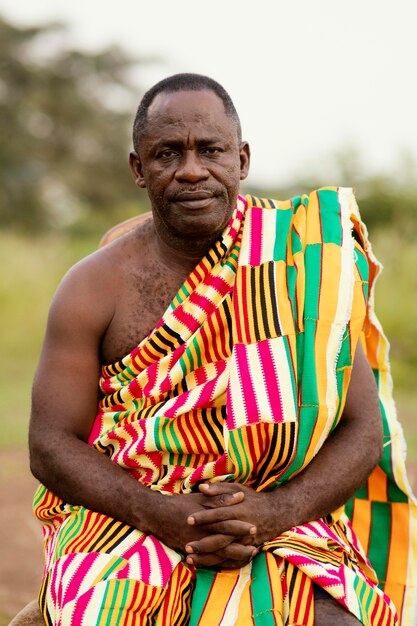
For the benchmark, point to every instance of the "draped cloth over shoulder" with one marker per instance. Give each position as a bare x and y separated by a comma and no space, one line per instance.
242,380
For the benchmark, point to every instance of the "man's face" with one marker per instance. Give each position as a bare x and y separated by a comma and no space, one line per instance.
190,162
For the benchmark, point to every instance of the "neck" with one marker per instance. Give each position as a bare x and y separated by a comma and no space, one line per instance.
180,254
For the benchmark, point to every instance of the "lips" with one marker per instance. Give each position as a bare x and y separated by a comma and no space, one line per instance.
194,199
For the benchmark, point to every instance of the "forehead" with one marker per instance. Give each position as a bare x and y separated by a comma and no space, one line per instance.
188,111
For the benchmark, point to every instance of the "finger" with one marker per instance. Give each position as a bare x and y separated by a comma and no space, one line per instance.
238,552
223,491
211,516
211,543
205,560
231,527
237,558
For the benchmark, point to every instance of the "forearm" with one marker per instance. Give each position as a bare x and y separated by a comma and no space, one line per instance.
81,475
339,469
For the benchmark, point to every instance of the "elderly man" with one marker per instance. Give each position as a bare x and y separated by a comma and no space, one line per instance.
203,406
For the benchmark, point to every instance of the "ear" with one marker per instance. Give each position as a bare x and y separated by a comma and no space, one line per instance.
136,169
244,153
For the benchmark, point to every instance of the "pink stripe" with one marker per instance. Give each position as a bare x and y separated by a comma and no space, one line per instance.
81,606
255,236
270,379
186,318
135,389
86,562
145,564
164,562
218,284
246,384
151,372
179,402
207,390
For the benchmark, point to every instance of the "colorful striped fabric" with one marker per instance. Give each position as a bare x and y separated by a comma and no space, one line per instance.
242,380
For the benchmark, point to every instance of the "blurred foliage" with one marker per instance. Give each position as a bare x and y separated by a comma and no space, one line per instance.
65,119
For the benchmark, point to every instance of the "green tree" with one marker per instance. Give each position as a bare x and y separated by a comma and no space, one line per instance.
65,122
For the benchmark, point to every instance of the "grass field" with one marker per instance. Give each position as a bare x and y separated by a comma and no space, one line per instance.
30,270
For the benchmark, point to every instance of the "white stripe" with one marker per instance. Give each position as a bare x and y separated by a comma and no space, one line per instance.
231,613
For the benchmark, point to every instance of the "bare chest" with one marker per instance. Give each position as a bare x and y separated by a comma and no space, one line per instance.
142,298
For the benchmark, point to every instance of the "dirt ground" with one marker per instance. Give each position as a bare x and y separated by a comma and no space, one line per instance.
20,534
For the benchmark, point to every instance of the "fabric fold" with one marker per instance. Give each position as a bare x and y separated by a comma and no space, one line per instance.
242,380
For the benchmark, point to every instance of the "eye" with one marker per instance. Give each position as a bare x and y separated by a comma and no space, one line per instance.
166,154
211,150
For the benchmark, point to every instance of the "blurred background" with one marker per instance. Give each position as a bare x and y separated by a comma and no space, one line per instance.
327,95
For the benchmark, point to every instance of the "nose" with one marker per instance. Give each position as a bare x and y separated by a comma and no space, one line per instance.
191,168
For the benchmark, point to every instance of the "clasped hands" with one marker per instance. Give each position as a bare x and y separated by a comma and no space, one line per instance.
225,524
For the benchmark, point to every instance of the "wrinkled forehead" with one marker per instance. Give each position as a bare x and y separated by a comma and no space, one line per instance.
182,110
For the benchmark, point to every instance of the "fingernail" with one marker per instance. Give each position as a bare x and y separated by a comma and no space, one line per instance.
191,521
188,549
254,553
189,560
252,530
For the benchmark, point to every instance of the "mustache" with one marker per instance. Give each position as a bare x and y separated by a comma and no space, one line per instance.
209,189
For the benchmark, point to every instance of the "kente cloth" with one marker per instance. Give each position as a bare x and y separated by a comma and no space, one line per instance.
242,380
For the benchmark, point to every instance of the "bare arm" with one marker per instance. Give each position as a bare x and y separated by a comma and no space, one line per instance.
340,468
65,399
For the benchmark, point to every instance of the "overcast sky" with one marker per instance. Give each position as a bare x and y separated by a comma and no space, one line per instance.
306,76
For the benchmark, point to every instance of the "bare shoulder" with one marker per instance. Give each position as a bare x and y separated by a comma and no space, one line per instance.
91,289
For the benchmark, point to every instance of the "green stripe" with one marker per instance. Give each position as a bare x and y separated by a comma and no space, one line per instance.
234,434
198,352
171,428
261,592
296,245
291,367
330,216
291,285
359,590
39,495
70,531
349,508
110,612
312,286
204,582
187,355
282,226
379,540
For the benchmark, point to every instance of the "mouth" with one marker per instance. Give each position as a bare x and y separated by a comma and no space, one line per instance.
194,199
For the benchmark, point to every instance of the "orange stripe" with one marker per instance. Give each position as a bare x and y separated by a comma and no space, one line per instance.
377,485
361,521
398,554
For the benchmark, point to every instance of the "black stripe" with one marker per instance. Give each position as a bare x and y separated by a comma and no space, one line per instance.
252,299
292,581
274,300
157,348
227,303
211,258
214,426
262,289
287,459
164,340
172,333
